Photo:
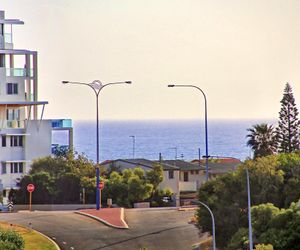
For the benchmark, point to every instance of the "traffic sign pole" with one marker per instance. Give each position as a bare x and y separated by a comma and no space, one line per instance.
101,186
30,200
30,189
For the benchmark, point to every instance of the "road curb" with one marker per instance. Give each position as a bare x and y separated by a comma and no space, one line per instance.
106,222
53,242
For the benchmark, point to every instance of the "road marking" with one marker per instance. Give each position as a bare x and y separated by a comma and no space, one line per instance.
65,243
72,248
53,238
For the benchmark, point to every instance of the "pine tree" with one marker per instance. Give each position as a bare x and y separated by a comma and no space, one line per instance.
288,124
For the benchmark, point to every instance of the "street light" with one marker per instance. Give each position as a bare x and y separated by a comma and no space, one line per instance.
212,219
206,133
133,145
97,86
249,211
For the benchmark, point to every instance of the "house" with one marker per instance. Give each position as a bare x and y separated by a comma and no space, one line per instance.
170,173
24,135
191,176
179,176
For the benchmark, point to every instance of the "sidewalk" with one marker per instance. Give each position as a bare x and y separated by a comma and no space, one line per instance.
113,217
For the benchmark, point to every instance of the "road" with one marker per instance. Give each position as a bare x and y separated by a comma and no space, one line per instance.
150,229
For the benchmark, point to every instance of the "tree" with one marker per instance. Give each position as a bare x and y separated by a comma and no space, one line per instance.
227,195
262,140
52,176
288,124
155,175
281,229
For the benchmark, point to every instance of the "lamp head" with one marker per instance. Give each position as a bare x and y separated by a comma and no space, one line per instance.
128,82
65,82
171,85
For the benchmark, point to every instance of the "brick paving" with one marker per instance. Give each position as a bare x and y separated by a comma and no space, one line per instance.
113,217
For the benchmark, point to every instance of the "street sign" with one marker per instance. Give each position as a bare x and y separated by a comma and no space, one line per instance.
10,206
30,188
101,185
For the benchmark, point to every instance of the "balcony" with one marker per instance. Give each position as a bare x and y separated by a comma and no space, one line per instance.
61,123
187,186
15,124
19,72
29,97
8,38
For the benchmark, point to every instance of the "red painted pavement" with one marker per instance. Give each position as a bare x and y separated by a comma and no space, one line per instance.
109,216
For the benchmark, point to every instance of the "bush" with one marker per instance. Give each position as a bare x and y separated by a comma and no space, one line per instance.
11,240
264,247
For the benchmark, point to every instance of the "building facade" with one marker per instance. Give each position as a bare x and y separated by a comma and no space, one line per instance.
24,135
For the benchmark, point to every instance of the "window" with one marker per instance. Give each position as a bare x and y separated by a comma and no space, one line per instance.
2,60
12,88
3,168
192,171
197,172
3,137
171,174
16,141
185,176
16,168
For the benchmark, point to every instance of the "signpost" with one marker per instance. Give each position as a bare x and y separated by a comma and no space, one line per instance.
101,186
10,206
30,189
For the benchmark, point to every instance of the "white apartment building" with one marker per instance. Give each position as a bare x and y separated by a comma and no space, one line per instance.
24,135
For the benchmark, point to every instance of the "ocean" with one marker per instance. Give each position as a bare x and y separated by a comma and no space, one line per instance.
226,138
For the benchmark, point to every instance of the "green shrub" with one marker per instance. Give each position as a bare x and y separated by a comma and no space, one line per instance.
11,240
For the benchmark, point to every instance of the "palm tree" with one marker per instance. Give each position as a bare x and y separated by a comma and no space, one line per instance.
262,139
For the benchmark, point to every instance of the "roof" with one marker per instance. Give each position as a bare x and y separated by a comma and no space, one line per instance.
11,21
218,160
23,103
17,51
222,167
143,163
183,165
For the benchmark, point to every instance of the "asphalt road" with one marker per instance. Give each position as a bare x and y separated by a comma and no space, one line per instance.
150,229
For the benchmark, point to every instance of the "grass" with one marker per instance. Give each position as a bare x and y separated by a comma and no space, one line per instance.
33,240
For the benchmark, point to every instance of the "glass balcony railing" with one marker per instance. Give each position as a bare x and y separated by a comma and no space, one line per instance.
62,123
8,37
29,97
21,72
15,124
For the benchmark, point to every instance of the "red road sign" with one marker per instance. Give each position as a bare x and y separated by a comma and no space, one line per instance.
30,188
101,185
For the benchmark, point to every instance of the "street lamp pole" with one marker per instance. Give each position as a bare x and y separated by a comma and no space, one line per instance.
249,211
212,219
175,148
205,122
133,145
97,86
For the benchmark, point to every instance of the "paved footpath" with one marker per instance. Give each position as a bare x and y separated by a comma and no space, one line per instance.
113,217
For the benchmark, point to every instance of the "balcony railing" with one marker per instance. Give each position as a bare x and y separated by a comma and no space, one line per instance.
8,38
62,123
15,124
19,72
29,97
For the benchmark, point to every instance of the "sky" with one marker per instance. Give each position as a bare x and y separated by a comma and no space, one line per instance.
240,53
